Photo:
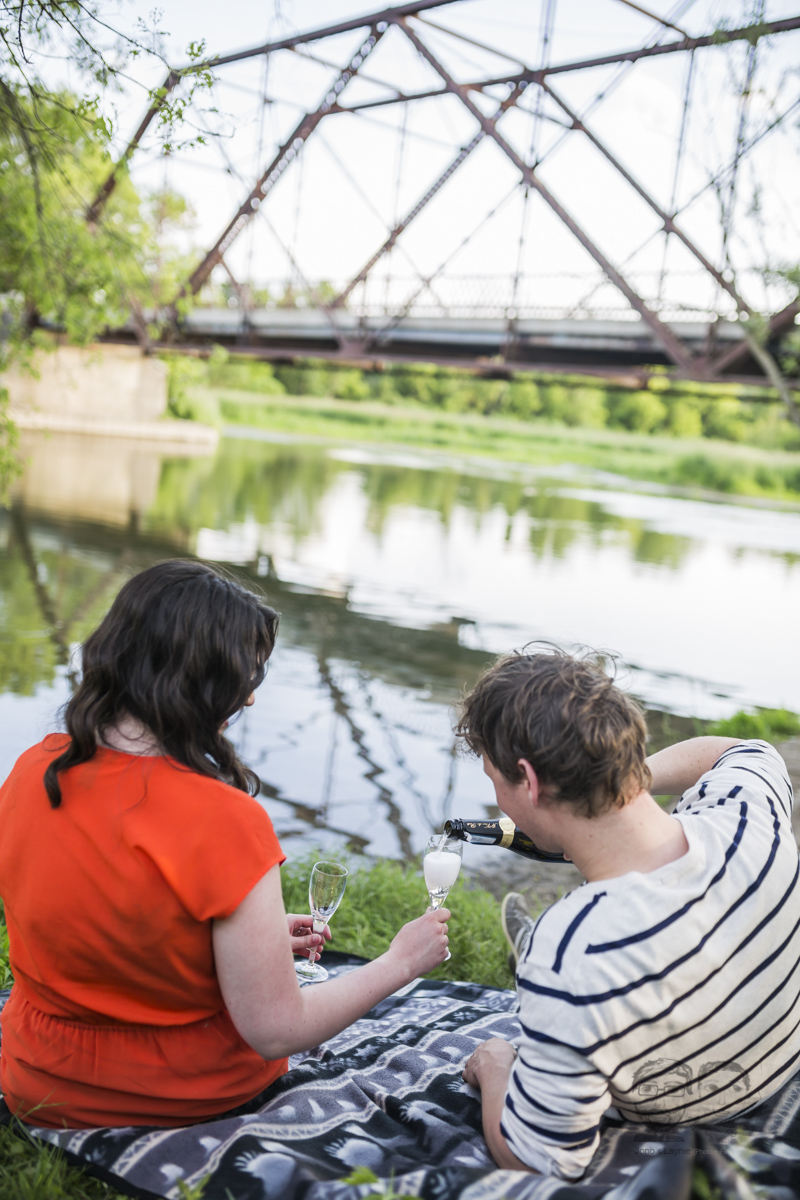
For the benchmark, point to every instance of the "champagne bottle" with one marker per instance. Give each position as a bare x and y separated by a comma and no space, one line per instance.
499,833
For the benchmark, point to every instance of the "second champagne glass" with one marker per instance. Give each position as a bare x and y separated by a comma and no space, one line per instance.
441,864
325,891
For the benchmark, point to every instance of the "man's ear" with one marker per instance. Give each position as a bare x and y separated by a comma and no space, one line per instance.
531,781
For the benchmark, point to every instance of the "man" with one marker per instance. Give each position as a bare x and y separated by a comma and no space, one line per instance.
668,984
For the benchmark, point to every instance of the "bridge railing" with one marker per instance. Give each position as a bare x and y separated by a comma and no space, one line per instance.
556,296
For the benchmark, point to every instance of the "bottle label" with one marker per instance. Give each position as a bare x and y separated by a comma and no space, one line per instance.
509,829
477,839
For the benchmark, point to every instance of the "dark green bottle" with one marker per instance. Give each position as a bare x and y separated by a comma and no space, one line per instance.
499,833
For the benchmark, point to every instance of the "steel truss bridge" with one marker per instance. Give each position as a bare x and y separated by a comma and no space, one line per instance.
505,335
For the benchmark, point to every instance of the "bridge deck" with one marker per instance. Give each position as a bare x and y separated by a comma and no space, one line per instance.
580,345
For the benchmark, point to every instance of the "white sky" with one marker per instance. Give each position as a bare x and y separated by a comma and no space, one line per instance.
356,174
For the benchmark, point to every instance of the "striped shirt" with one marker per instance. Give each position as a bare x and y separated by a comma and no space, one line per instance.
672,995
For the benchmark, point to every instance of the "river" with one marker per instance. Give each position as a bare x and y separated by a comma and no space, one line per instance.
398,576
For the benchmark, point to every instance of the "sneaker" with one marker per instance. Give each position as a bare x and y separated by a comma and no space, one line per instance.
517,925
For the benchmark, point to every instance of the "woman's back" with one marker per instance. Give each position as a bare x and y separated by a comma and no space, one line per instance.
147,933
109,902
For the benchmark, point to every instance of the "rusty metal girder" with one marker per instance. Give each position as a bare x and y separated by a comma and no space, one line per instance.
745,33
95,209
672,345
316,35
778,323
435,187
666,220
285,156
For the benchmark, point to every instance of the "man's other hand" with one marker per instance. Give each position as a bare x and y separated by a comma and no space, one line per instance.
495,1055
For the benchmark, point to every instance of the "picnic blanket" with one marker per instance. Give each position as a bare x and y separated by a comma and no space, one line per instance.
387,1095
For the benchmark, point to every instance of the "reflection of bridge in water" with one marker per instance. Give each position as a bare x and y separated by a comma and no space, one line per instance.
42,551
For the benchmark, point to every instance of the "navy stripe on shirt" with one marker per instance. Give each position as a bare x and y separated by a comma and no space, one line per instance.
653,977
602,947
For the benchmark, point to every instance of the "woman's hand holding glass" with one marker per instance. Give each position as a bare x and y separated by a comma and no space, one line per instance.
423,943
304,939
325,891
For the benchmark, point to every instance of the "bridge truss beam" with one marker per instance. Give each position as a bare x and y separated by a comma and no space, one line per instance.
435,187
673,346
689,363
286,154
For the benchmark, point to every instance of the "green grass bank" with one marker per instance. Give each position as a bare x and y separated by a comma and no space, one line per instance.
715,437
698,465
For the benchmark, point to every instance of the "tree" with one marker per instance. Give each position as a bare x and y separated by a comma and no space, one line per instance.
56,267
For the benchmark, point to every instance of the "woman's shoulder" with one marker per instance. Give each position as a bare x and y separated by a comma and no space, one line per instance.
185,779
50,746
189,790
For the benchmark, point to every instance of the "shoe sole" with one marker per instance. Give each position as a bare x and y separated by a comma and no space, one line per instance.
503,907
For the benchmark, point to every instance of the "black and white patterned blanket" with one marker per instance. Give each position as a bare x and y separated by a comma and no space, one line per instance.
387,1095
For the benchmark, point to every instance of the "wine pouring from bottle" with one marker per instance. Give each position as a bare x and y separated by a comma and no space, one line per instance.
499,833
441,864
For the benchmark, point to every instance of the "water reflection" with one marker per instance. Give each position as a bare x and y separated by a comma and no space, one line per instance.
397,579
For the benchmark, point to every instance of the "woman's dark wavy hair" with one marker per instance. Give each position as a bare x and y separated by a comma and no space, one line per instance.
180,649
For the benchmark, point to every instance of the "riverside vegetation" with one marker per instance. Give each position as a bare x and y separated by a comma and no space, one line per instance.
714,437
379,898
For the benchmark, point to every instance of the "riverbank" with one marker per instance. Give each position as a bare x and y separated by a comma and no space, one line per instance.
697,466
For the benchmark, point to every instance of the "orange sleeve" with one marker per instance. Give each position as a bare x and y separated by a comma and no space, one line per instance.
212,845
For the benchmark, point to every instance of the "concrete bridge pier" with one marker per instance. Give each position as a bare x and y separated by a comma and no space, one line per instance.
114,391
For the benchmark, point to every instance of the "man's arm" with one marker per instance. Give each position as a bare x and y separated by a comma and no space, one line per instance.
488,1069
679,767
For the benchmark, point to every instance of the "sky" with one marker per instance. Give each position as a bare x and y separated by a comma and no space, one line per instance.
358,174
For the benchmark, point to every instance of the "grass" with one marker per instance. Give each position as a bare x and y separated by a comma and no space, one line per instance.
381,898
31,1171
698,465
768,724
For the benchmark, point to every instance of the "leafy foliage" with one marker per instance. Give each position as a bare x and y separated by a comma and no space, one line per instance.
51,262
9,463
768,724
667,407
56,266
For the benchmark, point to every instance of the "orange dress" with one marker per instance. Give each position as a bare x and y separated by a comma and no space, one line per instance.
116,1016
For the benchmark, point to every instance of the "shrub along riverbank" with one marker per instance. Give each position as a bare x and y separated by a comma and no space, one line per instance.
674,408
715,438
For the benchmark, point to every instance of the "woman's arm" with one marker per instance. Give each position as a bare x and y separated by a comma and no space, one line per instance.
680,766
270,1010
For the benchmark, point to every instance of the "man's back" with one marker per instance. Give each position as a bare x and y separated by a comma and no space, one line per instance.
671,995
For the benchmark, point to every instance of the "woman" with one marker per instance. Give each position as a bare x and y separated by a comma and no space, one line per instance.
152,956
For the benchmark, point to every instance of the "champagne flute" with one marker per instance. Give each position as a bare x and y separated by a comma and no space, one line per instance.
441,863
325,891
